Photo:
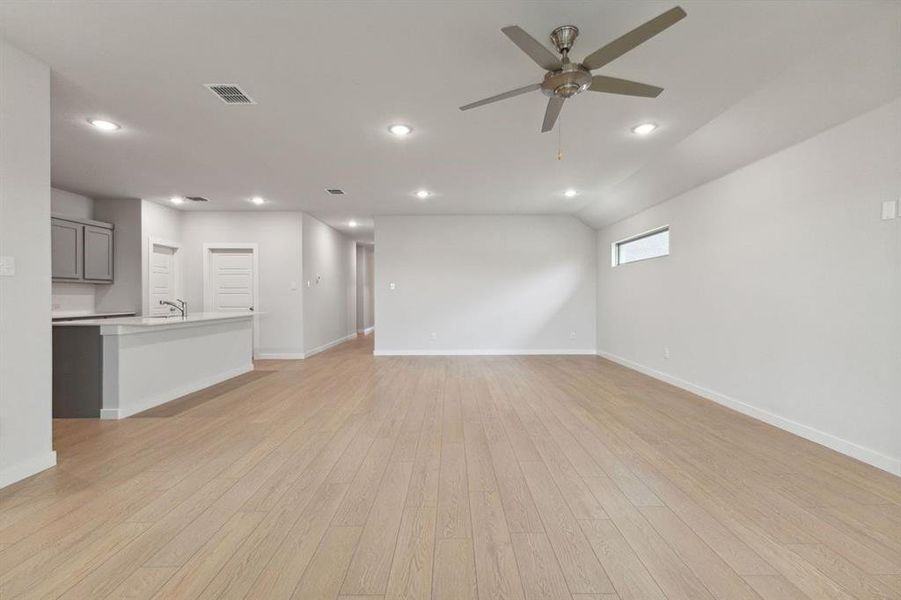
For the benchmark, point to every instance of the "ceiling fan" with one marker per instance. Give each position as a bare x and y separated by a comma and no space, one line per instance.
564,78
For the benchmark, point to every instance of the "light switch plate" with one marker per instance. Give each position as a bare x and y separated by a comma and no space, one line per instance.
889,210
7,266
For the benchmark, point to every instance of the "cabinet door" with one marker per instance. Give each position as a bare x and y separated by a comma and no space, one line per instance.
66,239
98,253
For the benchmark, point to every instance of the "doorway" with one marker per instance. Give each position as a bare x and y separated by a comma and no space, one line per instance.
163,284
365,289
231,281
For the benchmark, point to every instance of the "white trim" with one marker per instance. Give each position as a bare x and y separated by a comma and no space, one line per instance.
26,468
280,355
324,347
254,248
491,352
303,355
173,394
156,241
176,266
366,331
861,453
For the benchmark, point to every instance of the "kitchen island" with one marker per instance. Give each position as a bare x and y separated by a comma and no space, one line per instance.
115,368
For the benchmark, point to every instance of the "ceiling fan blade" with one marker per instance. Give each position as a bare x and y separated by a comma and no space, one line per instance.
554,104
504,96
546,59
612,85
637,36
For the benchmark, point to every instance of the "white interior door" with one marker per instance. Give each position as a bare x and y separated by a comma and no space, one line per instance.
231,280
162,278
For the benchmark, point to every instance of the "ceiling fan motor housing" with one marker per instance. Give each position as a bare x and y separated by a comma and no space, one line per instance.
564,37
566,82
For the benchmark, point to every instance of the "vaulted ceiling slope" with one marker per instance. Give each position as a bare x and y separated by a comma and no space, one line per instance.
858,71
741,79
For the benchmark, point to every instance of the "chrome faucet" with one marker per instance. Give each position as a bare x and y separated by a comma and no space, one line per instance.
181,307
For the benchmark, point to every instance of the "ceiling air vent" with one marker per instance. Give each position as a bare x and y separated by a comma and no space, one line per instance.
335,192
229,93
196,198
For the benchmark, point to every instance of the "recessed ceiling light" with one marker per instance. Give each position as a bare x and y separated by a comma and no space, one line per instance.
400,130
103,125
257,200
351,224
570,193
644,128
176,199
423,194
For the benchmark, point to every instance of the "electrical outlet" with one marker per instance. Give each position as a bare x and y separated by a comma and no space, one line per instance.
666,353
572,335
889,210
434,336
391,286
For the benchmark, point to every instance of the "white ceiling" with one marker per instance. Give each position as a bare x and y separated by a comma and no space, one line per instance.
742,79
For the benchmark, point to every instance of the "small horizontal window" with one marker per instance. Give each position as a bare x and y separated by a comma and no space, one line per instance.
650,244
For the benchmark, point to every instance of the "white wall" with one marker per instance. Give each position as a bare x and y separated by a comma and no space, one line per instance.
124,294
67,204
278,235
782,294
70,298
329,302
365,284
25,339
484,284
161,223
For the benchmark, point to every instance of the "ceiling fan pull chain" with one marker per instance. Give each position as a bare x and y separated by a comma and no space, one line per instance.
560,139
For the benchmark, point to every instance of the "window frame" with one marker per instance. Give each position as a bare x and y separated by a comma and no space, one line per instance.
615,246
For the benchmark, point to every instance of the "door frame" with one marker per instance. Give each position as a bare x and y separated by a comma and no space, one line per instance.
254,249
176,266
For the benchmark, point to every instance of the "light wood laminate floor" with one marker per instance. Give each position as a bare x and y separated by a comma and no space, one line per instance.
354,477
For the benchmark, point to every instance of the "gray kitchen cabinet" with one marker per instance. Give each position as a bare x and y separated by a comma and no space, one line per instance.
81,250
67,240
98,253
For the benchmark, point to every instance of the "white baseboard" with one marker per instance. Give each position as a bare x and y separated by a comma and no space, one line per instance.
324,347
170,395
516,352
366,331
861,453
279,355
26,468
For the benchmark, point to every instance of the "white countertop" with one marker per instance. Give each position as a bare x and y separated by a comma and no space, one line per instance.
122,325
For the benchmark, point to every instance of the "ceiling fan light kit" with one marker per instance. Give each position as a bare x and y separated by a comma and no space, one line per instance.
564,78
